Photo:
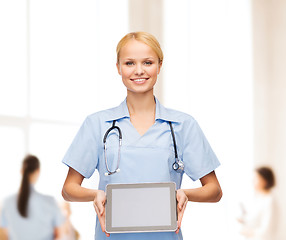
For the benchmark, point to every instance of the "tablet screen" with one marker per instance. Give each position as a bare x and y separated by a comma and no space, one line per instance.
154,210
141,207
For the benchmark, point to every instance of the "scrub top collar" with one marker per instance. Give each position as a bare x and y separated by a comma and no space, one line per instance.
162,113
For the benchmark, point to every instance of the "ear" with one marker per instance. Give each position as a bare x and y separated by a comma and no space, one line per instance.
159,68
118,68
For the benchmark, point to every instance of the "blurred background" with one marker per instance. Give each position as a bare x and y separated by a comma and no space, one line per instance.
224,64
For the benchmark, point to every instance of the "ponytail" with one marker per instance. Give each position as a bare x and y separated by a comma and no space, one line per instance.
30,165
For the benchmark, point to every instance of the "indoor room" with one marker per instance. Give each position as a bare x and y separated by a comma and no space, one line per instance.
224,64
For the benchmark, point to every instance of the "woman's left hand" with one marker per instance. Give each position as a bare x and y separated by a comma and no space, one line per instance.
181,206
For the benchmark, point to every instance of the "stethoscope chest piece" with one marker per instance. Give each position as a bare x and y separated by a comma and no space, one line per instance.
178,165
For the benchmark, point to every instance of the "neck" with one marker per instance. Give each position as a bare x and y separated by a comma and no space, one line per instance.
34,177
263,191
140,103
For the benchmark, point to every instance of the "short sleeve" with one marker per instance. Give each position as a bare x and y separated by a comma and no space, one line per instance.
198,156
82,155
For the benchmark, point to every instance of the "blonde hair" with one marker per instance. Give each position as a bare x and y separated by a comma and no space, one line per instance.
144,37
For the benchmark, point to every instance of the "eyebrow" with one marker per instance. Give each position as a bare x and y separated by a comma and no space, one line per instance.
142,59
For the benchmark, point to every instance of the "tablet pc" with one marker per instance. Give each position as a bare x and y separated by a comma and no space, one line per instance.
141,207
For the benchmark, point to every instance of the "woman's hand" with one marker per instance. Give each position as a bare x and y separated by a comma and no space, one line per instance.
181,206
99,206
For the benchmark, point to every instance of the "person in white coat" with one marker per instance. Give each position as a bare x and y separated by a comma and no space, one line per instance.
258,220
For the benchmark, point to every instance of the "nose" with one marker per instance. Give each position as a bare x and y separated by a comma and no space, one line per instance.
139,70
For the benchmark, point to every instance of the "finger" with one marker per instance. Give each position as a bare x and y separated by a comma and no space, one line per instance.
184,205
178,202
96,208
178,228
101,219
98,211
179,220
181,205
100,206
181,214
177,231
181,202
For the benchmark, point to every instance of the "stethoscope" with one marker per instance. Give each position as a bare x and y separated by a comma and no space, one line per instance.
178,165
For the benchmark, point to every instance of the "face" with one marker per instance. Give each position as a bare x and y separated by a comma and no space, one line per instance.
139,66
259,182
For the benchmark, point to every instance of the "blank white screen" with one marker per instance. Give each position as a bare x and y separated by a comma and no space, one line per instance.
136,207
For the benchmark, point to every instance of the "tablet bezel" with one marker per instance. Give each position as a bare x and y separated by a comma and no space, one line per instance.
166,228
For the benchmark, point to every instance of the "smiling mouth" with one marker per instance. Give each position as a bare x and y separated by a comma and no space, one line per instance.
139,80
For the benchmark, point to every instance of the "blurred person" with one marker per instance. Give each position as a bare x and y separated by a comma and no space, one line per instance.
29,215
257,220
68,231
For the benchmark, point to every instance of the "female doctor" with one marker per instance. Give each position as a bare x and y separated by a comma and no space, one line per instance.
148,150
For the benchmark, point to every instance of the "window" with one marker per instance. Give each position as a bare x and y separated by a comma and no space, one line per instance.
208,74
57,64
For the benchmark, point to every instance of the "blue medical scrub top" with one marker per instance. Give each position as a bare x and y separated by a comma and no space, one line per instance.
44,216
146,158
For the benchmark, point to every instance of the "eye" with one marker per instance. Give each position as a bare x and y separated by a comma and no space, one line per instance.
129,63
148,63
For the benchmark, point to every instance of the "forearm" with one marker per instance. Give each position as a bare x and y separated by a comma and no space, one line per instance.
210,192
3,233
73,192
57,233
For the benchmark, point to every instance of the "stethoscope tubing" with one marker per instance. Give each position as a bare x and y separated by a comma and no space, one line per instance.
109,172
174,140
177,165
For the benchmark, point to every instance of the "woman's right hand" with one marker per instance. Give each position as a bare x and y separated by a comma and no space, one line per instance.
99,206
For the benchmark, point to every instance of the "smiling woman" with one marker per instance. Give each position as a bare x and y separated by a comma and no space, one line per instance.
147,130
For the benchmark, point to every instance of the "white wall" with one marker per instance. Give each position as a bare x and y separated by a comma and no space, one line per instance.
269,35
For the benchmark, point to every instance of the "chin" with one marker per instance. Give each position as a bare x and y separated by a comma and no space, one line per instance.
140,91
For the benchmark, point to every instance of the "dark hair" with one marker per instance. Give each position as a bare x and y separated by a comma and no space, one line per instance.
268,175
30,165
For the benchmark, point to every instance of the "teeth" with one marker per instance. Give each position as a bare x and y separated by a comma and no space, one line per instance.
139,80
